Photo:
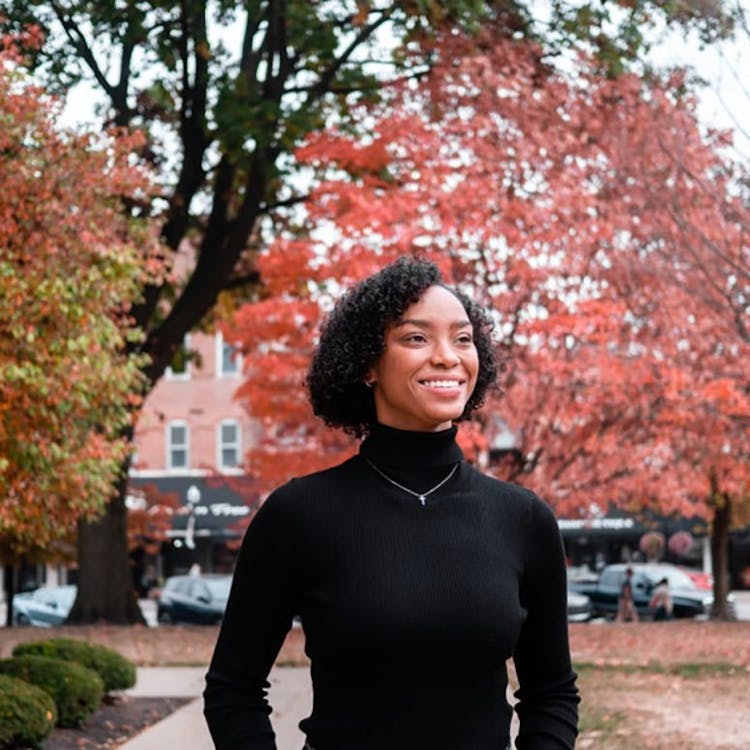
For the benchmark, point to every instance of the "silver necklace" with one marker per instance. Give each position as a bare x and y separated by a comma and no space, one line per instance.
421,496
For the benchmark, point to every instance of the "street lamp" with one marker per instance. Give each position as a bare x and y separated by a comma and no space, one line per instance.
193,496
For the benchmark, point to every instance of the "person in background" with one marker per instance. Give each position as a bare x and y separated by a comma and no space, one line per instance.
661,601
149,581
415,575
626,610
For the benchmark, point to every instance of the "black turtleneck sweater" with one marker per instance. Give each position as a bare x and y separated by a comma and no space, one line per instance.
410,611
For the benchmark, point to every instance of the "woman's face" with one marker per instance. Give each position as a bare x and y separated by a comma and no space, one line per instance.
428,369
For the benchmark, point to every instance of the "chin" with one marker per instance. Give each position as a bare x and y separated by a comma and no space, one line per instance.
443,421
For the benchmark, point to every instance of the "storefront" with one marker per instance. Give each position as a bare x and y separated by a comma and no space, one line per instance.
202,522
602,538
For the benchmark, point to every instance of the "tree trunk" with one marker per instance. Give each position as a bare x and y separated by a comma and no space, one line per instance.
10,584
720,610
105,581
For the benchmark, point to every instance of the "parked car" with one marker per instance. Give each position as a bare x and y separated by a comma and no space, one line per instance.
688,599
44,607
199,599
580,608
700,579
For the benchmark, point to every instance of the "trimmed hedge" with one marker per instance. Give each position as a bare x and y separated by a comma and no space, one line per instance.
76,690
116,671
27,714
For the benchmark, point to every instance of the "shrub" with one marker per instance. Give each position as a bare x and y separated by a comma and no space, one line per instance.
116,671
27,714
76,690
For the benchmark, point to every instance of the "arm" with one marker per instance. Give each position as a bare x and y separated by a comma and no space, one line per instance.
547,697
258,616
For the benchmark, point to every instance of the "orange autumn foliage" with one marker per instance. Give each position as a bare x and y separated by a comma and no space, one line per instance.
68,273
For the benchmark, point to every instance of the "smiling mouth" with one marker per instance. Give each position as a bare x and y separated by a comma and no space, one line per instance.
445,383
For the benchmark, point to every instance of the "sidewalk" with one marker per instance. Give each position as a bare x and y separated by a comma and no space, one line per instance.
290,695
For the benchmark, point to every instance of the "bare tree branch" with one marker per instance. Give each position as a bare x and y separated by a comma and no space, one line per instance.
327,76
78,40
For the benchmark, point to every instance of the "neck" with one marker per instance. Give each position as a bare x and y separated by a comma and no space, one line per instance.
389,446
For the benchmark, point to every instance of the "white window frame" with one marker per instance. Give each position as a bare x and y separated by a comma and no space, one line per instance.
170,445
219,356
170,374
220,446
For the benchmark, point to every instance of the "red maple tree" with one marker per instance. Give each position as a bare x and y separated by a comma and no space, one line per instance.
606,230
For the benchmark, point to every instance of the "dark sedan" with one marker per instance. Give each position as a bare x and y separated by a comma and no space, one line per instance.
688,600
197,599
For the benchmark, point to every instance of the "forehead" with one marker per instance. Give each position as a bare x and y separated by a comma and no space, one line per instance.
436,302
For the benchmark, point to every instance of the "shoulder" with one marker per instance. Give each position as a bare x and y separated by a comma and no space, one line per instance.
297,492
513,496
319,480
291,511
517,507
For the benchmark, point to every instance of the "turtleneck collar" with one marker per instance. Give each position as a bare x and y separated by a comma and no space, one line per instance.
388,446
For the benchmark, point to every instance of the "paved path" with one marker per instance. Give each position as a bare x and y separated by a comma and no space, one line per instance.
290,695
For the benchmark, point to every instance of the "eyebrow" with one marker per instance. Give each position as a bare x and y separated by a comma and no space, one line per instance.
428,324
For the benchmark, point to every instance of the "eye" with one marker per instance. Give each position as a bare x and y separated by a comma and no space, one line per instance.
415,338
465,339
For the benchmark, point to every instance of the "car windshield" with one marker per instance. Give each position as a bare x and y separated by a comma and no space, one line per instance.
676,578
63,595
219,587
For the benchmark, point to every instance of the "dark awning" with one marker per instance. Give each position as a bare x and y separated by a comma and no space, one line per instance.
618,523
223,508
604,526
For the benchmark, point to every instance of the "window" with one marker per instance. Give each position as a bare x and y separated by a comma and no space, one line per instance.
178,445
228,360
229,444
179,368
200,592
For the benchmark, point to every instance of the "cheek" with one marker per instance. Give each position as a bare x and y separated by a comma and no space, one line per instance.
474,369
392,372
474,362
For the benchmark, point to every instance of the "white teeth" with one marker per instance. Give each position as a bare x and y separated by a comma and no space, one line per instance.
441,383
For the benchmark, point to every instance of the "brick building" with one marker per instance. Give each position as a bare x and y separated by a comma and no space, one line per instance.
190,441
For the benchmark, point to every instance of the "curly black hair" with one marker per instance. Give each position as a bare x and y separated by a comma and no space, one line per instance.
352,340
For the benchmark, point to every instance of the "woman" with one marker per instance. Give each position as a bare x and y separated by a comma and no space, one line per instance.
661,601
415,575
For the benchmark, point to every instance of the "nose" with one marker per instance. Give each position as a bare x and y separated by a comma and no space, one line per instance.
443,354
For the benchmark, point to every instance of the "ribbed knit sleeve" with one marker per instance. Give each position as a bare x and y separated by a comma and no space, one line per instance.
547,695
258,616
